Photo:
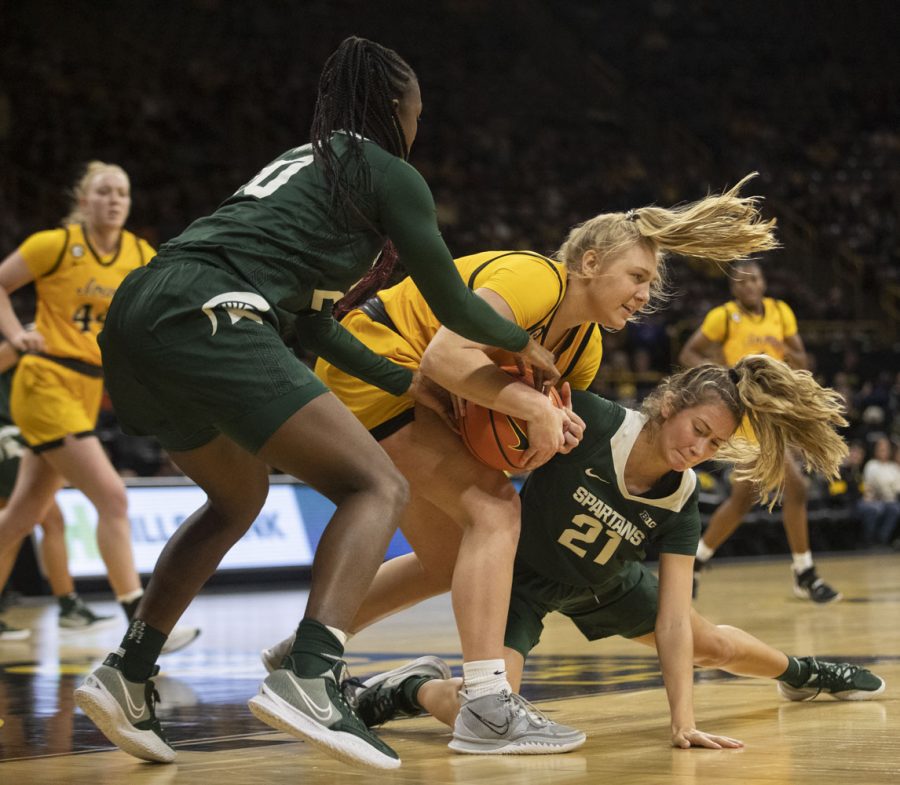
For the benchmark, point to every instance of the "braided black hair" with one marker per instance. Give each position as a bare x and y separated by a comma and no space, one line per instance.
357,89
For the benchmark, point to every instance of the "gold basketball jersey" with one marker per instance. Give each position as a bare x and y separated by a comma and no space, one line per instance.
75,284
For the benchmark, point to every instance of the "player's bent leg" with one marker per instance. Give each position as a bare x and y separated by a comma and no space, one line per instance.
406,580
342,461
729,514
83,462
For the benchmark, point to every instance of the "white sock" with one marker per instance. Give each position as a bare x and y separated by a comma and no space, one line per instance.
704,552
342,636
802,561
484,677
130,597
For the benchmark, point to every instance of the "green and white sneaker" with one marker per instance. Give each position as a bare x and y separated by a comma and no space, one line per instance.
841,680
315,710
8,633
506,724
124,711
381,698
74,614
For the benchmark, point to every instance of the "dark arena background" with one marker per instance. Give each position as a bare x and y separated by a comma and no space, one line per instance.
537,116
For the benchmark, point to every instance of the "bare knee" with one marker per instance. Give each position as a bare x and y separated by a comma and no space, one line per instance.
113,503
238,507
495,511
714,649
390,490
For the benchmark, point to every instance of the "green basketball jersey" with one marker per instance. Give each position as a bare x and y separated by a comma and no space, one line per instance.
581,526
281,234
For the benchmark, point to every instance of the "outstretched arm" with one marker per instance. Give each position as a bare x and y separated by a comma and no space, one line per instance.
675,646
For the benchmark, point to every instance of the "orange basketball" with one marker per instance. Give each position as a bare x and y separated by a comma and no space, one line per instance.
498,440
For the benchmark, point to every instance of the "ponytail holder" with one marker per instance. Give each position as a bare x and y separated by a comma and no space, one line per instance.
631,215
734,376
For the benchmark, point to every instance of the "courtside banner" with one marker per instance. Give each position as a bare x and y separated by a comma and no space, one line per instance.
277,538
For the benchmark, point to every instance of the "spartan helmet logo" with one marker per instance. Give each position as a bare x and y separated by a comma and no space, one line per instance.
238,305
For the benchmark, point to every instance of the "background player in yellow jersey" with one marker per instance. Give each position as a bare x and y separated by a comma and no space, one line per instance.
754,324
58,383
463,519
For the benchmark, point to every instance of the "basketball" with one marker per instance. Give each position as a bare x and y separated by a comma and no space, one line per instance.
498,440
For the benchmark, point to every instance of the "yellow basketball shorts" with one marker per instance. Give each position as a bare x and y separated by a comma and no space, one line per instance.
371,405
49,402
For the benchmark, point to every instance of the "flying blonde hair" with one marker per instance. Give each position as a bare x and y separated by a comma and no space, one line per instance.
786,408
79,190
720,228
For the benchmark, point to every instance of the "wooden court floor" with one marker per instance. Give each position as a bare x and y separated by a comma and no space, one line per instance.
610,689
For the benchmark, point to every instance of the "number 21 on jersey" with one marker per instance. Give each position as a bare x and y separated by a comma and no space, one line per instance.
588,536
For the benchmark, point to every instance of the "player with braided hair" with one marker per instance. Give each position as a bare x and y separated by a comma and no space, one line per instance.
193,354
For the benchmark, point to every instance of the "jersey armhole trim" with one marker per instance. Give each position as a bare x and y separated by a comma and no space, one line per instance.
62,253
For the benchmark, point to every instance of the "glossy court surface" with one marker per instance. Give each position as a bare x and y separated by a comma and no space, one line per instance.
610,689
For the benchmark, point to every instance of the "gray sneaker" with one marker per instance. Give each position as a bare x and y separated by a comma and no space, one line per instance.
380,698
274,656
841,680
124,711
316,711
506,724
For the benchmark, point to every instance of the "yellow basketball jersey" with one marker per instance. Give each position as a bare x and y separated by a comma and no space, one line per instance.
533,287
741,332
75,285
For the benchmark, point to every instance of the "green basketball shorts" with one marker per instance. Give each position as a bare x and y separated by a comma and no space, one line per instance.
628,608
189,352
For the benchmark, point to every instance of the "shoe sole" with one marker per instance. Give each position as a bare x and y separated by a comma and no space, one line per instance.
18,635
480,747
187,642
105,712
800,696
105,624
277,713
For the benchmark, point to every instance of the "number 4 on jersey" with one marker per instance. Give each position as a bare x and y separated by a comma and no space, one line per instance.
85,317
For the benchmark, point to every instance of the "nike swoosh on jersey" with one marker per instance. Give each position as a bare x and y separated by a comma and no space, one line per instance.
590,473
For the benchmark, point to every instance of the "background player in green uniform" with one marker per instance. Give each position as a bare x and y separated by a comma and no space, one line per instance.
193,354
588,516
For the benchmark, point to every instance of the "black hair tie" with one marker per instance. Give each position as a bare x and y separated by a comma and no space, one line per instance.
734,376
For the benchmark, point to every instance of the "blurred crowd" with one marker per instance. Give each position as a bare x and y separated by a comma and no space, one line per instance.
537,116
